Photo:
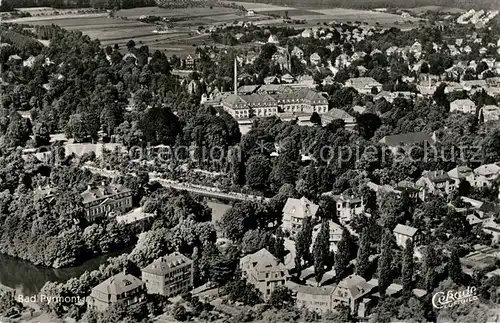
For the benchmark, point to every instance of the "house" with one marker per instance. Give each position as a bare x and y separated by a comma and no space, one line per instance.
337,114
395,142
264,271
122,287
461,173
273,39
348,206
294,213
464,106
364,85
435,182
307,33
297,52
104,200
473,84
169,276
14,58
485,175
359,109
489,113
351,292
316,299
287,78
404,232
315,59
250,13
335,234
490,226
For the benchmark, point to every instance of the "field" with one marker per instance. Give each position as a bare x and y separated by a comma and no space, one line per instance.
313,15
110,31
176,13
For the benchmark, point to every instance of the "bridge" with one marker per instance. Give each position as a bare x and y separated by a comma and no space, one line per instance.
206,191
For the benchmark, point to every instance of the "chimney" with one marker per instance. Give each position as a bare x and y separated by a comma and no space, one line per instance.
235,76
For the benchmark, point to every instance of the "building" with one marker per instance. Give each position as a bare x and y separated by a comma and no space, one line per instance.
169,276
435,182
104,200
316,299
489,113
484,175
464,106
297,52
294,213
348,206
352,292
122,287
273,39
461,173
335,234
315,59
338,114
264,271
404,232
364,85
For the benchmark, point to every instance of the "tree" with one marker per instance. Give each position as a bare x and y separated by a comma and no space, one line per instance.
430,261
179,313
278,248
455,268
363,259
367,124
241,291
385,263
130,44
315,119
303,243
281,298
343,255
321,250
258,170
407,270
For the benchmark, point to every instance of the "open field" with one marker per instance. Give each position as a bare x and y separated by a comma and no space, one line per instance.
436,9
371,4
343,15
259,7
110,31
176,13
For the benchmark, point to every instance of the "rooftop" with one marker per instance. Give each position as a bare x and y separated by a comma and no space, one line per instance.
165,264
300,208
118,284
405,230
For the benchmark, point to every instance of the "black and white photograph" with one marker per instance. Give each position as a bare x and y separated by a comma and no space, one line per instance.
266,161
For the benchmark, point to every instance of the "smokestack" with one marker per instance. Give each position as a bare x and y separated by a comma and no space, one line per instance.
235,76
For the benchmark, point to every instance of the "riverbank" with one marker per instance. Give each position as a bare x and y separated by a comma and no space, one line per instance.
28,279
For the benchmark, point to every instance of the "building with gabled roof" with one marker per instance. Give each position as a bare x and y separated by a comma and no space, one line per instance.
170,275
103,200
398,141
264,271
350,292
464,106
294,213
363,85
338,114
122,287
404,232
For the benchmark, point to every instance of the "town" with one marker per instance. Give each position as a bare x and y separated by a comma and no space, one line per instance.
283,171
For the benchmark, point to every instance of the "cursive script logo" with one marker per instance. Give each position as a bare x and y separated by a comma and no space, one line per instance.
452,298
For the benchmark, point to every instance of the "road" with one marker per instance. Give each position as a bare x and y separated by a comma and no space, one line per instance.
208,191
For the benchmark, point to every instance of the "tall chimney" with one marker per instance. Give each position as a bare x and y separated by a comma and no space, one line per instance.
235,76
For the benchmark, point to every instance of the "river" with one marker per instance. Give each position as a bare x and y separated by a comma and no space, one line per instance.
27,279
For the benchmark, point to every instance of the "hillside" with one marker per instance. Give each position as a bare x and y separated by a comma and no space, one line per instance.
369,4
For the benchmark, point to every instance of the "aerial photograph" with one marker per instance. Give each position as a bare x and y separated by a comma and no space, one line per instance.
267,161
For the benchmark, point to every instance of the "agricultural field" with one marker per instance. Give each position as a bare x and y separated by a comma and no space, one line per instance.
176,13
110,31
260,7
344,15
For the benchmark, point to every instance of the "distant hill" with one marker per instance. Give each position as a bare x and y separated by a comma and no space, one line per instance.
370,4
